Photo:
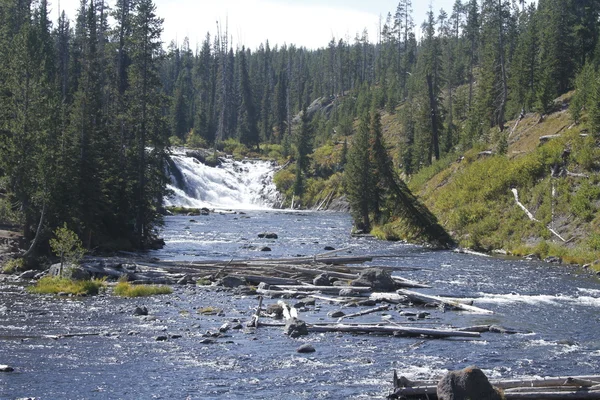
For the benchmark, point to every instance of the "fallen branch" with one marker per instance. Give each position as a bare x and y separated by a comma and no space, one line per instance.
530,215
424,298
365,312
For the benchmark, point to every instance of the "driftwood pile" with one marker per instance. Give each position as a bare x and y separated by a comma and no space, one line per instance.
325,277
570,387
336,280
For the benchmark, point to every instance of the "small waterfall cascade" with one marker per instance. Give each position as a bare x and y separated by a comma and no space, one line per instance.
246,184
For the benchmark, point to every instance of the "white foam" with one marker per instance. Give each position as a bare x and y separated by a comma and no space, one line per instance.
234,184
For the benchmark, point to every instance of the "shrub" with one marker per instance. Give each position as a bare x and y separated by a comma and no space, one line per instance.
13,265
67,246
582,201
55,285
126,289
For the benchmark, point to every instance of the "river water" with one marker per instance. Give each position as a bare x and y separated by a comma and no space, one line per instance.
560,306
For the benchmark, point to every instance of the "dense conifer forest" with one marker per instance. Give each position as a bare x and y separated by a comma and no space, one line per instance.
89,107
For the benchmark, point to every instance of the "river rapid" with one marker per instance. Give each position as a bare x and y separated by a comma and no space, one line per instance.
558,305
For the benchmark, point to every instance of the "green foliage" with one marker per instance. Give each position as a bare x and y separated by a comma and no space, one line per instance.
583,201
194,140
55,285
126,289
67,245
13,265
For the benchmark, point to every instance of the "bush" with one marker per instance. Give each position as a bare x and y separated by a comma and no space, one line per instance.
55,285
582,201
67,246
13,265
126,289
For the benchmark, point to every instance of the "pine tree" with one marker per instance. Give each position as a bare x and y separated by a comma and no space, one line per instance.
145,101
358,181
246,121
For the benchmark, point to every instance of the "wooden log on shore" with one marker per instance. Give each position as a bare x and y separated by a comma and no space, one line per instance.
393,329
558,395
402,282
323,289
424,298
536,389
393,298
381,329
333,299
385,307
269,280
254,321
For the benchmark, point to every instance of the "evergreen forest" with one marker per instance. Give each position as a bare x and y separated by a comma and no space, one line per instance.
90,107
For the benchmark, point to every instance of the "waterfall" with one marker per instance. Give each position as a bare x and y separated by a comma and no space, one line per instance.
246,184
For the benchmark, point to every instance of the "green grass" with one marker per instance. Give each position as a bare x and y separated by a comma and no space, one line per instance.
55,285
13,265
126,289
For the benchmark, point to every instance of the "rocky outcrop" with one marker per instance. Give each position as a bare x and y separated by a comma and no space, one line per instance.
469,383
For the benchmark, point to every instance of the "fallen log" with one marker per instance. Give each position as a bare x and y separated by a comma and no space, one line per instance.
333,299
550,395
393,298
424,298
254,321
323,289
269,280
365,312
392,329
402,282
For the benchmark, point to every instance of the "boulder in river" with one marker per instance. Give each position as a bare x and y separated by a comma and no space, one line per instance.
305,348
140,310
322,280
295,328
74,272
232,281
266,248
377,279
469,383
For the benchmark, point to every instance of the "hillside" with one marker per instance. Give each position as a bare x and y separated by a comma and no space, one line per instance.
552,165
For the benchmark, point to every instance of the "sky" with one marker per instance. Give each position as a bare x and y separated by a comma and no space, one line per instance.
308,23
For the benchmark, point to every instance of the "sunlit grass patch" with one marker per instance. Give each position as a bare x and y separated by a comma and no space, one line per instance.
209,310
126,289
55,285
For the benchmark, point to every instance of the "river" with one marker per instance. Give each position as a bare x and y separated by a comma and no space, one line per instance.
559,306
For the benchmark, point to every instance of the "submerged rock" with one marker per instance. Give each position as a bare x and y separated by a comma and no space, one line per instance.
469,383
268,235
140,310
336,314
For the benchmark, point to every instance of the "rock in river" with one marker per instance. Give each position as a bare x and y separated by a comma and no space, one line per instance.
305,348
469,383
295,328
268,235
377,279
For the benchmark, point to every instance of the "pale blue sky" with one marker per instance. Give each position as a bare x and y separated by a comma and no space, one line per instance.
310,23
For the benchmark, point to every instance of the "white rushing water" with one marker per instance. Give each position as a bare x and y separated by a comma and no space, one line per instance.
246,184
